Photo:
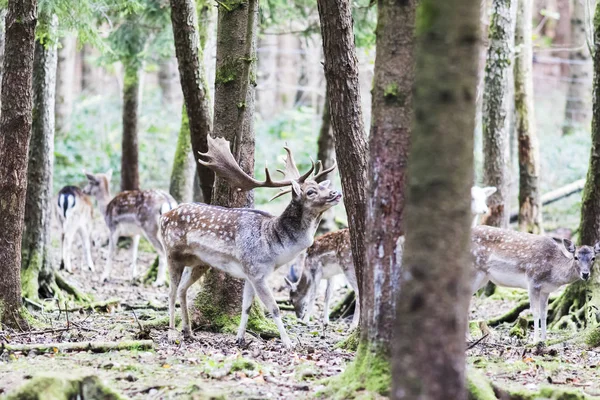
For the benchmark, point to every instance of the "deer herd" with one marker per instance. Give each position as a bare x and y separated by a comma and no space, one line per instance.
250,244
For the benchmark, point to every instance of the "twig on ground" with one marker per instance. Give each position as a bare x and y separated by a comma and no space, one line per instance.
96,347
477,341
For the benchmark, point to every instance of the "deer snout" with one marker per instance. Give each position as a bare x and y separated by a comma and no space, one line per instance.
334,196
585,276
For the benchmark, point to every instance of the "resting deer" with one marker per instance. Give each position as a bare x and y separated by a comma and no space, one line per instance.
331,255
131,213
540,264
245,243
75,214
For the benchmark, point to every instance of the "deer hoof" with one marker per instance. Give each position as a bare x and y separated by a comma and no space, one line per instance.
158,283
241,342
187,333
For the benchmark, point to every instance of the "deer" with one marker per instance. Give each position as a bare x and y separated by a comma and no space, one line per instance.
131,213
539,264
75,214
246,243
331,255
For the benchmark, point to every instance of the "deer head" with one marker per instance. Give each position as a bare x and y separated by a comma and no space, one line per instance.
583,256
479,197
315,196
98,184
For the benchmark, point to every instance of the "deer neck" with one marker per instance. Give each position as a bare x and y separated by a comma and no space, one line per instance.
103,198
297,222
567,273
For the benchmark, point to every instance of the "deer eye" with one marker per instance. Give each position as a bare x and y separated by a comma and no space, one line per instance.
311,192
576,258
593,259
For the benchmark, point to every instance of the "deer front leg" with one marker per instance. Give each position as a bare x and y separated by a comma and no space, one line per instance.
84,235
328,293
161,275
134,247
247,300
544,313
264,294
112,246
189,277
66,249
356,316
534,303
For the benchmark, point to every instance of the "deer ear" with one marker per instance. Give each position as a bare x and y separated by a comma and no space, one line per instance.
109,174
597,248
296,189
325,184
489,190
90,177
569,246
293,286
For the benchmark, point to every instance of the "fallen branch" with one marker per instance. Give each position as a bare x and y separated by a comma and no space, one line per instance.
555,195
96,347
510,316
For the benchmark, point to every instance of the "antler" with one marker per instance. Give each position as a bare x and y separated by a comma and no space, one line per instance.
322,172
319,172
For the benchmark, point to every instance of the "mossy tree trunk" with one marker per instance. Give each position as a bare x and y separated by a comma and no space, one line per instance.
220,299
15,133
496,108
168,77
64,84
579,305
434,294
36,264
341,73
130,178
578,92
530,205
184,164
189,41
326,153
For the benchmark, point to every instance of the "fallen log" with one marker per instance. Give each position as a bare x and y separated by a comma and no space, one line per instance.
95,347
555,195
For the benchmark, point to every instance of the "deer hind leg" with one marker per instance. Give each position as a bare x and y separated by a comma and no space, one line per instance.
534,303
84,235
189,277
161,275
67,246
328,293
356,316
543,313
134,246
175,269
264,294
112,247
247,300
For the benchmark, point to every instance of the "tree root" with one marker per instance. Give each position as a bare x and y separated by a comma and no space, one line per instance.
96,347
63,285
510,316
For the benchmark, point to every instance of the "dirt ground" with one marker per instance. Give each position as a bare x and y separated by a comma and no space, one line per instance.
212,366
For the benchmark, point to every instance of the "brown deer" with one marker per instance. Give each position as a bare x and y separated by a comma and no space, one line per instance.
540,264
245,243
75,214
131,213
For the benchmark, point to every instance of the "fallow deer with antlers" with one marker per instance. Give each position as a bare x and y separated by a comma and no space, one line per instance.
245,243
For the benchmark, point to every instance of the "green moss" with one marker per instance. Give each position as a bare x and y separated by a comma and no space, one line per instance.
243,364
351,342
231,5
64,388
391,90
474,329
592,339
152,273
520,328
426,16
478,386
184,147
370,371
30,275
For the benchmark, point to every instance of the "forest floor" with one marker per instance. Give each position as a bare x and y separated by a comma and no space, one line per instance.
212,366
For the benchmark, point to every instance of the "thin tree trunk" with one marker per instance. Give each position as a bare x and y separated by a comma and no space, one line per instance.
429,356
15,134
168,76
130,179
88,82
2,42
341,73
221,294
193,81
64,84
36,263
184,164
576,108
530,206
326,153
496,146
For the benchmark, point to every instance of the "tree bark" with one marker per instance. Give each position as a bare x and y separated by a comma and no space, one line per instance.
495,110
585,296
434,295
168,76
193,81
15,134
341,74
64,84
36,263
2,42
530,205
130,179
221,294
184,164
576,114
326,153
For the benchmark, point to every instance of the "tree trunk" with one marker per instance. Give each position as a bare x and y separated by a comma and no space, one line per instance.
184,164
130,179
88,82
188,48
15,133
326,153
64,84
434,295
496,146
576,114
168,77
578,306
389,144
2,42
530,205
341,73
36,263
221,294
